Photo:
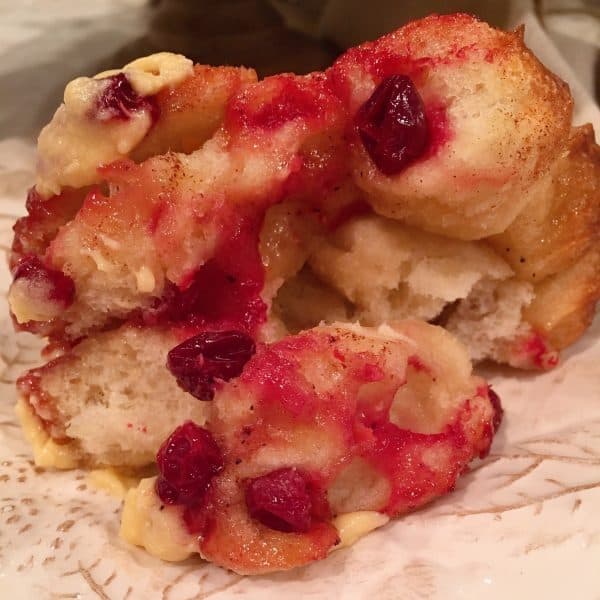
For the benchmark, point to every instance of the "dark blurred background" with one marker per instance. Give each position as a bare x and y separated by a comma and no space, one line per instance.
45,44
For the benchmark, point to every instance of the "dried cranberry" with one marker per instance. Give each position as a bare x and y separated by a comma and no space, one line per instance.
187,462
57,287
119,100
392,124
280,500
210,356
497,406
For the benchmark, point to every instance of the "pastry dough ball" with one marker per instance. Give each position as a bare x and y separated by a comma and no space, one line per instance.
497,120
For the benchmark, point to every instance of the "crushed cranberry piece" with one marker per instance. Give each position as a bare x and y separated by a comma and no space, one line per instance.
200,361
197,520
281,500
187,461
58,287
392,124
119,100
497,406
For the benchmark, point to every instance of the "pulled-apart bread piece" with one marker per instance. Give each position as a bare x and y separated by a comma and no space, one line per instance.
561,219
164,221
334,424
374,270
108,401
391,271
154,104
432,173
520,305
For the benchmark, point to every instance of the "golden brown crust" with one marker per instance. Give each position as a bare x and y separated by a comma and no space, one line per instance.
191,112
561,221
564,304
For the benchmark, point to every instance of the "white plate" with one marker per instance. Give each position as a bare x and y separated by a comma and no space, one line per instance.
524,523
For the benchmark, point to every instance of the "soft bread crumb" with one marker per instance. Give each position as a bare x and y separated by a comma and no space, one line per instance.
491,318
108,391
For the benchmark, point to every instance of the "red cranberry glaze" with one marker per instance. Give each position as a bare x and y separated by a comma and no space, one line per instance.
398,454
281,500
200,361
45,216
290,103
392,124
119,100
240,515
224,293
536,350
60,288
282,99
187,462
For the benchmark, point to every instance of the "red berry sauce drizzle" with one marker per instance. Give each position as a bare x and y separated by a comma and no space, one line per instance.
224,293
287,101
395,452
